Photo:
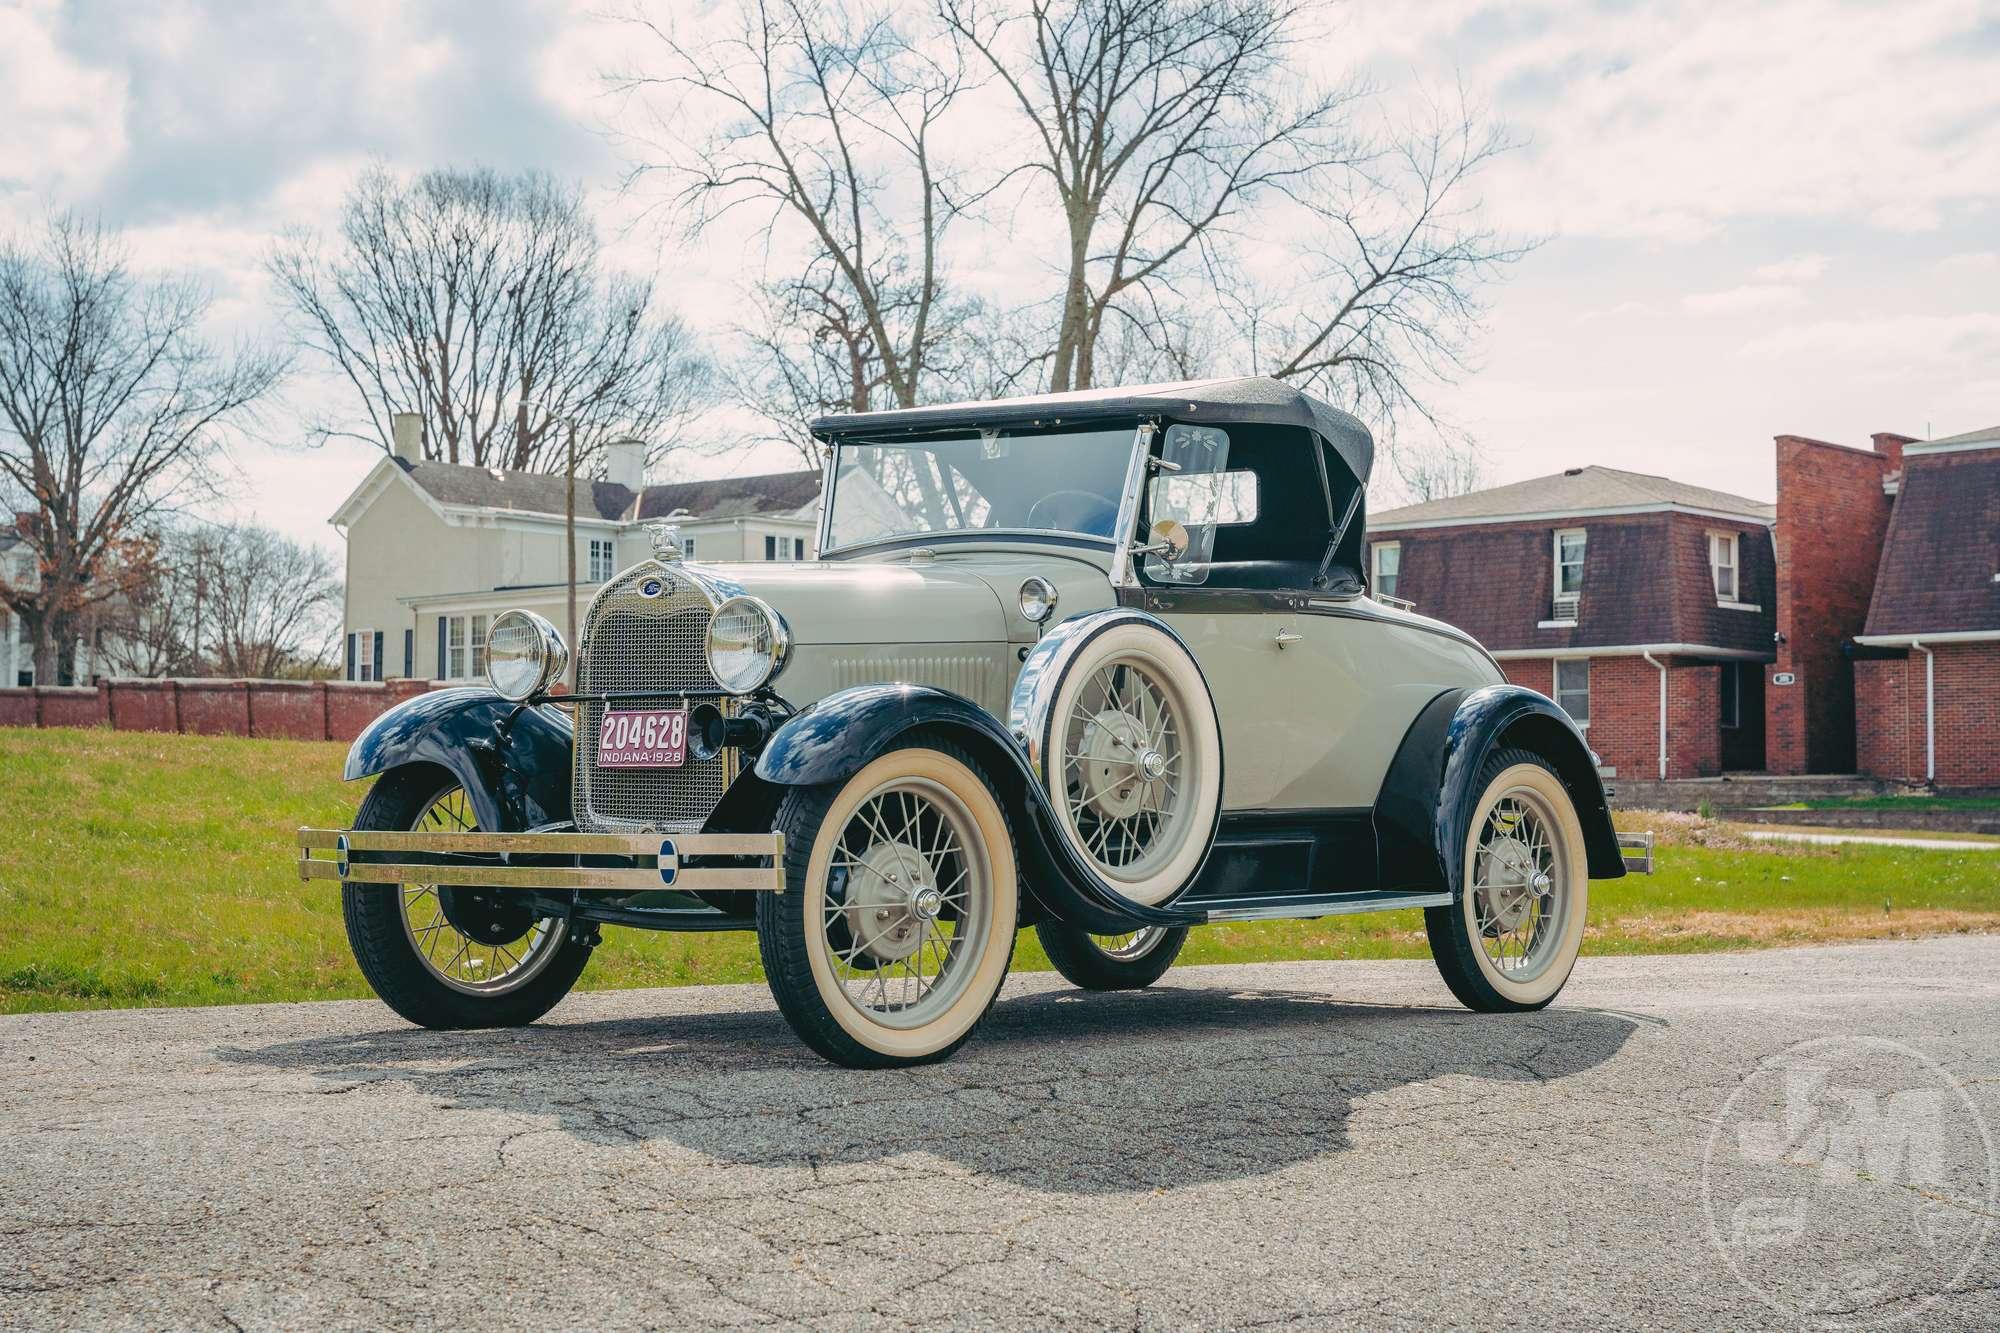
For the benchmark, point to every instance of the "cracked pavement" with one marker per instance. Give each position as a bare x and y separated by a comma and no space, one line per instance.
1325,1144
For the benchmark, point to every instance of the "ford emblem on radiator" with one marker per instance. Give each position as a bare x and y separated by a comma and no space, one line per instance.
652,587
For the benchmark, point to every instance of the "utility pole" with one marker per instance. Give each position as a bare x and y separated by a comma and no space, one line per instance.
569,532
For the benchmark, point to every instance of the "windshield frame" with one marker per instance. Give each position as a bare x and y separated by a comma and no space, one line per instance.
1117,543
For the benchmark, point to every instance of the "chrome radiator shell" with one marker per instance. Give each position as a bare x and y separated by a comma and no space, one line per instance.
647,649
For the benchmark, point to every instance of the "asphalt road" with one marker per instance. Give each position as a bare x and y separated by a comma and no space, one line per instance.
1322,1144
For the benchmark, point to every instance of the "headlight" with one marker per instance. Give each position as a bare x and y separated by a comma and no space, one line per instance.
747,644
1038,599
524,654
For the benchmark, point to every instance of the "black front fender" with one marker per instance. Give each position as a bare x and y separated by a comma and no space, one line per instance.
512,759
835,737
1424,811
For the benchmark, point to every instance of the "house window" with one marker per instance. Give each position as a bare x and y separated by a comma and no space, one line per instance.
1388,564
687,547
1569,571
798,548
1732,694
770,547
1722,561
455,649
1573,688
479,645
603,560
364,655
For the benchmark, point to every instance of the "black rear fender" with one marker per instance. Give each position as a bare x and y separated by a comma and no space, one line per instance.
1428,798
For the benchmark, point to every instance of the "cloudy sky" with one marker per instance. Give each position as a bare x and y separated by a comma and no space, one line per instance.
1779,217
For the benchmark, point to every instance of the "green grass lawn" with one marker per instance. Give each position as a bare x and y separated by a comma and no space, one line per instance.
140,869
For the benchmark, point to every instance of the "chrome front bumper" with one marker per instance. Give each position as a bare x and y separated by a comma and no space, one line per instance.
492,860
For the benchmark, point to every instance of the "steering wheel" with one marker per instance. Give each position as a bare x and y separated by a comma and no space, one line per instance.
1094,503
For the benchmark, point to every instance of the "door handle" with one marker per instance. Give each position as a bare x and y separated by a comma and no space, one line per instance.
1286,637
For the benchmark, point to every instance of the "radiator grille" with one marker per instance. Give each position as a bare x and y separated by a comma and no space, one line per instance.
653,646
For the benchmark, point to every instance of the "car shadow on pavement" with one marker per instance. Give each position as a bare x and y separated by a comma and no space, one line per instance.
1059,1090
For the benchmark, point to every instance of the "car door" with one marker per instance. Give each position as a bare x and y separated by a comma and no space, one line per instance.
1255,679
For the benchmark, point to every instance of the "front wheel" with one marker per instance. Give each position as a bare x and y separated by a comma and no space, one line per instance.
445,956
1509,942
896,926
1131,961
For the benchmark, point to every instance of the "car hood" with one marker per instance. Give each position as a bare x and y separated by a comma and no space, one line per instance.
851,602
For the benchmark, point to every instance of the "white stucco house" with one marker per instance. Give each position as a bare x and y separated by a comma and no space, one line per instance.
436,550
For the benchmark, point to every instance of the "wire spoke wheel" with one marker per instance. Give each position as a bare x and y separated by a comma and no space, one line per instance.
908,903
1515,885
1125,767
1130,946
476,941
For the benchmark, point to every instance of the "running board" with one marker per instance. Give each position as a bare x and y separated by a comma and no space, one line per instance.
1293,906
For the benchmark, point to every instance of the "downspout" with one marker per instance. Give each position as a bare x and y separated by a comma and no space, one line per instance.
1663,711
1930,713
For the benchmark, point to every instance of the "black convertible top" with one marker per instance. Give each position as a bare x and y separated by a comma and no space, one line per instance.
1255,399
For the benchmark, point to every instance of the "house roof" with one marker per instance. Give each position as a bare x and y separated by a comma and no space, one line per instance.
1986,435
547,493
1255,399
1941,554
1579,490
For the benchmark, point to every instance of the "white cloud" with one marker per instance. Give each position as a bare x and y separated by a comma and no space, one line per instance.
1971,338
1798,268
1741,300
62,123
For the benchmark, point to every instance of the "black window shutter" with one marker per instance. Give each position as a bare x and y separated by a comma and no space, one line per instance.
770,548
378,654
409,653
353,647
440,674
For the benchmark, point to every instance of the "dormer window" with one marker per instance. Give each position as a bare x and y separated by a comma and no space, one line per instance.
1569,543
1723,552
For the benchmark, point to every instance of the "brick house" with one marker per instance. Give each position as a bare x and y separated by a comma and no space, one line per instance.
1927,662
1646,607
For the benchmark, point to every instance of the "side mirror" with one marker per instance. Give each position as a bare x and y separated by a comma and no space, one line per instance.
1170,539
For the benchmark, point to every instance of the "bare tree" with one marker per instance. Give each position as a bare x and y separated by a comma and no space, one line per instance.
828,133
1437,470
1156,124
272,604
1388,300
480,301
112,407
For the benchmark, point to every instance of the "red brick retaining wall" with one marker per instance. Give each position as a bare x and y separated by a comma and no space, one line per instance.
308,710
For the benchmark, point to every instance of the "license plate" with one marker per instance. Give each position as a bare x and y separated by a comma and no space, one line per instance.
643,738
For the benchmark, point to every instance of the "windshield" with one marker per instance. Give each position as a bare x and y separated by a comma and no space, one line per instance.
1039,481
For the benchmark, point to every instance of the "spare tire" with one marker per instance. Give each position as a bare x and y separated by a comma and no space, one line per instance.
1122,731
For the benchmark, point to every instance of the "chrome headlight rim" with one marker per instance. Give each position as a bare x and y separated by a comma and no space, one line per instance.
777,634
1037,599
550,655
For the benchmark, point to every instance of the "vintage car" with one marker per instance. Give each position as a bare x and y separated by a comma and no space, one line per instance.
1098,663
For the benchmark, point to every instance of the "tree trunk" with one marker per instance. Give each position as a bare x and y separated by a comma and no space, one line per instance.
1076,308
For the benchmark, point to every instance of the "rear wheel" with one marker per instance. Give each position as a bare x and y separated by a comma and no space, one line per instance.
1130,961
446,956
898,917
1509,942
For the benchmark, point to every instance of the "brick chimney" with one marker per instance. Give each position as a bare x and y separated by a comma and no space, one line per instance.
1890,446
407,431
625,464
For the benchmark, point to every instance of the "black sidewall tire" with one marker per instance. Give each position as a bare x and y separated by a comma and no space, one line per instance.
1076,955
1458,956
374,918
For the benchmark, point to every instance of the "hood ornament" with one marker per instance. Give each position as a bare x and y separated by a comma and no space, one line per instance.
666,542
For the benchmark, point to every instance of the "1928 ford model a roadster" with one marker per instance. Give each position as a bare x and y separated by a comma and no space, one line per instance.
1099,663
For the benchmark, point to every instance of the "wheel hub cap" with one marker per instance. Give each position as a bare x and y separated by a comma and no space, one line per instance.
1118,764
888,904
1516,883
